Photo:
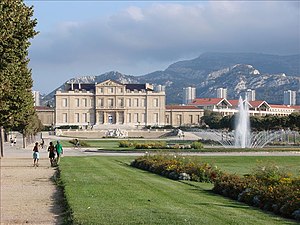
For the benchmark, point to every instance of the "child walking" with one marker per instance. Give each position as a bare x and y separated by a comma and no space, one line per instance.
36,155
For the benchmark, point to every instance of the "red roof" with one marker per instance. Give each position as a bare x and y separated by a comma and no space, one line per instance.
233,102
181,107
206,101
297,107
281,106
257,103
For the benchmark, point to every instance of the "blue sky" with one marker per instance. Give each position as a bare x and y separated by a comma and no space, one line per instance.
79,38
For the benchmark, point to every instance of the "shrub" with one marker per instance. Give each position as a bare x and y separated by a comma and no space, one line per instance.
197,145
126,144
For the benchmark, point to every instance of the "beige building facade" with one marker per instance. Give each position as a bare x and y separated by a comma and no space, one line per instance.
46,115
109,103
183,115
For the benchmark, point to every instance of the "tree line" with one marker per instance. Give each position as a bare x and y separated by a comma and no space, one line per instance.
16,100
215,120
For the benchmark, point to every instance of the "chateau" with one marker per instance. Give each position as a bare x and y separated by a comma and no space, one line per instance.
109,103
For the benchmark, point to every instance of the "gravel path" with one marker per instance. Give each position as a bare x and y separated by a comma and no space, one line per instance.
28,194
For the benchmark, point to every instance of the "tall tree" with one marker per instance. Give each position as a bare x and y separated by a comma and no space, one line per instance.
16,100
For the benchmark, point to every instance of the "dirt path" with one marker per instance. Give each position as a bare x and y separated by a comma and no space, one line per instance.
28,194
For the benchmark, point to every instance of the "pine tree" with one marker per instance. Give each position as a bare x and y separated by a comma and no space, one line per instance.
16,100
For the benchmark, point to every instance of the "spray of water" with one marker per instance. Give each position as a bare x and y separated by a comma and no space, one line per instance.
242,125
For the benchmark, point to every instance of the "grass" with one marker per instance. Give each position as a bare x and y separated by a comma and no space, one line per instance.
244,164
106,190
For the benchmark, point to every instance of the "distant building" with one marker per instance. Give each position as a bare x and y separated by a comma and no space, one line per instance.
222,93
250,95
189,94
289,97
159,88
36,98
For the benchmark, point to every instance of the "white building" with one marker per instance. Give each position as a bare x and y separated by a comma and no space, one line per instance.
250,95
289,97
222,93
189,94
36,98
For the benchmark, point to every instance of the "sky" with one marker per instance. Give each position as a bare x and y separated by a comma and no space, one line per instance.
89,38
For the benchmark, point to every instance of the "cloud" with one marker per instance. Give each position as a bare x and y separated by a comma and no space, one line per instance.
136,39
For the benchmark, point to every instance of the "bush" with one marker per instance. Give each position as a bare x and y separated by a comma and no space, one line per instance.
197,145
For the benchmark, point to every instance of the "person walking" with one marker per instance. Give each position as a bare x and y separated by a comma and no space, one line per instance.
51,151
36,155
59,151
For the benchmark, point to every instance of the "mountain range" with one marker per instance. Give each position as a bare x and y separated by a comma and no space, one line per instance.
269,75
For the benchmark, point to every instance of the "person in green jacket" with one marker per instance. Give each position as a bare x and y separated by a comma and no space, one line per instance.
59,151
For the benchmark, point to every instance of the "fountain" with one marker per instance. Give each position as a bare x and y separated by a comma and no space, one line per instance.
242,129
241,137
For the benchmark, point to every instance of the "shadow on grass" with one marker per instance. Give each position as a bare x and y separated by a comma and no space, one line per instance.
60,206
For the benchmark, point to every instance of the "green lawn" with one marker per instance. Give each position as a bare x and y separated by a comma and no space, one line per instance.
106,190
244,164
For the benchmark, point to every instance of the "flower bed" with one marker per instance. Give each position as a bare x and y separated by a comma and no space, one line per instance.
267,187
176,167
269,190
160,145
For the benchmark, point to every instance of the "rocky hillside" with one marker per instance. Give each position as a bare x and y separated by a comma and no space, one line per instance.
269,75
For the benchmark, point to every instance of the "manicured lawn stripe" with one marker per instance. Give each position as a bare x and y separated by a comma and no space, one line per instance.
105,190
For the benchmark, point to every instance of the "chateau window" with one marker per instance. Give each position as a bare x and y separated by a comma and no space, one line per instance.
77,118
111,90
121,90
101,102
110,102
129,102
65,117
77,102
135,117
136,102
143,118
100,90
143,102
65,102
121,102
101,118
155,103
84,117
84,102
129,117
